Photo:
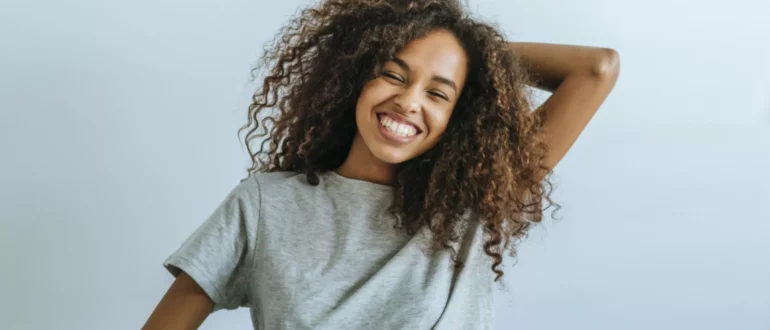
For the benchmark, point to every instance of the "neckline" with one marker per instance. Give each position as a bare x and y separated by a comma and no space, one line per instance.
358,185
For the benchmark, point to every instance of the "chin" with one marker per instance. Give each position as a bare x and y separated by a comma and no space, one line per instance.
389,156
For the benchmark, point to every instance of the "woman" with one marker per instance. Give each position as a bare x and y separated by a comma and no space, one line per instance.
403,159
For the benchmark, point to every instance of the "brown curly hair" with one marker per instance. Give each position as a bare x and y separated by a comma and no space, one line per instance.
489,161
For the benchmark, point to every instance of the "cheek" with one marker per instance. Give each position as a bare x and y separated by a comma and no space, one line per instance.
362,98
371,94
438,121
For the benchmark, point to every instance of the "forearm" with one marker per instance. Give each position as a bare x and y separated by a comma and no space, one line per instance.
184,307
551,64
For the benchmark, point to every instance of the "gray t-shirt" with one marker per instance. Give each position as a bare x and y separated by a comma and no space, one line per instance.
328,257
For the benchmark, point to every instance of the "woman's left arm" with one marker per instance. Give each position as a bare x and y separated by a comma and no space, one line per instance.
580,78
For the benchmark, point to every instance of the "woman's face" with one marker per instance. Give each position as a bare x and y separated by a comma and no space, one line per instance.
403,111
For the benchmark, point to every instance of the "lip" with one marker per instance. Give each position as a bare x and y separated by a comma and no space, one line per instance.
400,118
390,136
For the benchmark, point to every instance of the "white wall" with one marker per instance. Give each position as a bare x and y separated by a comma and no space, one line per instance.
118,137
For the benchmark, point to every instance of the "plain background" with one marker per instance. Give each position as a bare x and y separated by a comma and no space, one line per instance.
118,137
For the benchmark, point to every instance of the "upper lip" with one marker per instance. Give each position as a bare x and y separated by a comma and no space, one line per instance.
403,119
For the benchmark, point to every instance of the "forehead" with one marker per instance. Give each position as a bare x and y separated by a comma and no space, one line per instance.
439,53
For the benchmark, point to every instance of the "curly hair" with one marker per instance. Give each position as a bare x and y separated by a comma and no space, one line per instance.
488,162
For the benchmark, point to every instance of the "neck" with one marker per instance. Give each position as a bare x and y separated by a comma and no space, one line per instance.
361,164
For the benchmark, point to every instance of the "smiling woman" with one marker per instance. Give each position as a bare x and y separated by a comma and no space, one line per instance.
404,111
404,159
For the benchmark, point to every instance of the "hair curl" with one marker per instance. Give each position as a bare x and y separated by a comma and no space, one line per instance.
489,161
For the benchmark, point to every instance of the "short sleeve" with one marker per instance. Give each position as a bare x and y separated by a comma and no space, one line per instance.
219,254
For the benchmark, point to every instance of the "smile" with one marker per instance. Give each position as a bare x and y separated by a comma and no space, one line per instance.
396,130
397,127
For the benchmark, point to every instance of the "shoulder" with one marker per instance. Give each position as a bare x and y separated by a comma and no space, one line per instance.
254,186
269,181
276,185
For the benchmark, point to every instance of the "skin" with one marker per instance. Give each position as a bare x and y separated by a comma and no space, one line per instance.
421,84
580,78
184,306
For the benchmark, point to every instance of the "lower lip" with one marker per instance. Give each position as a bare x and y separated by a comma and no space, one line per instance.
390,136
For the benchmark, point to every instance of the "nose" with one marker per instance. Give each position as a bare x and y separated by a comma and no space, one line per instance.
408,101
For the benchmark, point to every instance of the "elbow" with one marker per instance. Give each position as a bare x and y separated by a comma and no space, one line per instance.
607,65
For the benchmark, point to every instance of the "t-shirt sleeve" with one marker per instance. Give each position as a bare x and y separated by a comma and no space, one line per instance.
219,254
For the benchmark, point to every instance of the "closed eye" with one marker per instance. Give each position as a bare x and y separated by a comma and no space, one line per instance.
393,76
440,95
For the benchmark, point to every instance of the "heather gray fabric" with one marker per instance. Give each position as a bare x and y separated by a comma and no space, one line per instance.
328,257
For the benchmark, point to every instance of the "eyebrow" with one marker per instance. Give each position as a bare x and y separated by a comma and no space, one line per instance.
439,79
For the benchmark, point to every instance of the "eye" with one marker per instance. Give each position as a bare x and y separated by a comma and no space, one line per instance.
393,76
439,95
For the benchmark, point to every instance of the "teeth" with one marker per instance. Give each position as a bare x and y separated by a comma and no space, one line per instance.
397,128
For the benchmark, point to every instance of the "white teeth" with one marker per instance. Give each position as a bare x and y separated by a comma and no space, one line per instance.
397,128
